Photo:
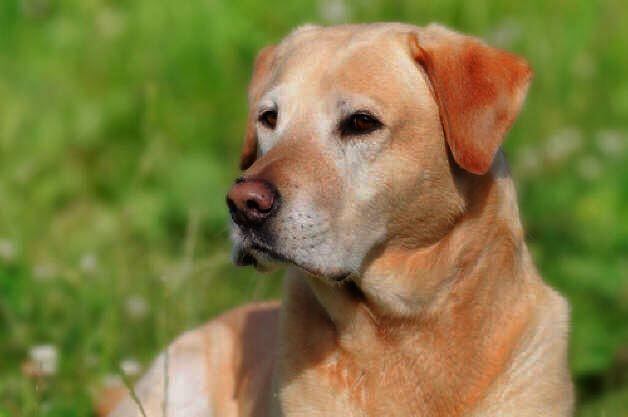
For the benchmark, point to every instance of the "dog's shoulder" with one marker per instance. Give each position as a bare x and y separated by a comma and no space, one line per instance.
537,381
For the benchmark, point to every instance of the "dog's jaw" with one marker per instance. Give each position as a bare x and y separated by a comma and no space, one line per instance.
266,255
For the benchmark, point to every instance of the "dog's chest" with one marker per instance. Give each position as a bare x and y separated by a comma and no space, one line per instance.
339,385
331,387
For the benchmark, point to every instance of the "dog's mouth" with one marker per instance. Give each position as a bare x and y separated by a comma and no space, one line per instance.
258,255
262,257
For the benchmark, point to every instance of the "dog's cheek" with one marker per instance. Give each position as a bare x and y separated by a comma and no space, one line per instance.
412,178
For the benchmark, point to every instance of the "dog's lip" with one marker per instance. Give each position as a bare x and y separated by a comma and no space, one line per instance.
246,257
341,278
249,254
271,253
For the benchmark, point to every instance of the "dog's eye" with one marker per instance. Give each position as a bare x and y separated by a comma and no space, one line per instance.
359,124
269,118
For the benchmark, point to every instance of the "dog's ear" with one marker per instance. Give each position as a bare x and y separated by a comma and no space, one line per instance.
479,91
261,70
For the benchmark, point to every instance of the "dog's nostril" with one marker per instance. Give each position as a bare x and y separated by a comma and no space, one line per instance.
260,206
252,204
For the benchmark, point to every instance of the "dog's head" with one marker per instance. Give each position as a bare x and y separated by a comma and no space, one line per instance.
356,136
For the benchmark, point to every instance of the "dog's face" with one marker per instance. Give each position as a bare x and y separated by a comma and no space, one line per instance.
348,148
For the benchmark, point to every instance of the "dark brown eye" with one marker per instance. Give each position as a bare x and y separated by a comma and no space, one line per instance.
269,118
359,124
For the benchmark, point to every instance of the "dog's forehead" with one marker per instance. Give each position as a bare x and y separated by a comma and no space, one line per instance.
369,59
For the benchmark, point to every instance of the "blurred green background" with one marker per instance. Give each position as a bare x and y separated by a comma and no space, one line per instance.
120,127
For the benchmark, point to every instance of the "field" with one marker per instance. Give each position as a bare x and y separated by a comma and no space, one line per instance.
120,128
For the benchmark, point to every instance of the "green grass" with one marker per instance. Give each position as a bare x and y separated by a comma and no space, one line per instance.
120,126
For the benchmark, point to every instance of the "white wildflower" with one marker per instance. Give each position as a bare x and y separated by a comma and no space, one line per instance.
167,278
505,34
528,161
7,250
136,307
611,142
334,11
88,263
112,381
563,145
44,359
130,367
44,272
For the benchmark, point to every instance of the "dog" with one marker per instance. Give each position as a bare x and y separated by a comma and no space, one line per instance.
372,171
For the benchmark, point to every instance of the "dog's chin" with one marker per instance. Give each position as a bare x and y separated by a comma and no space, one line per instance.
259,260
265,259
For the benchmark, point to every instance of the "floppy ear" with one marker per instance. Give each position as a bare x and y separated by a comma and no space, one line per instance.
479,91
261,69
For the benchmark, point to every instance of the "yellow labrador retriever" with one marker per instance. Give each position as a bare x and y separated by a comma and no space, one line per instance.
372,171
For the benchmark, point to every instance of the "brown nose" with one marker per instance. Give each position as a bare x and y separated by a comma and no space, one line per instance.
251,201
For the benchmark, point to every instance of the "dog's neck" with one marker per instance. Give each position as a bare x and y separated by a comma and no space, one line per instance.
468,290
485,243
485,247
